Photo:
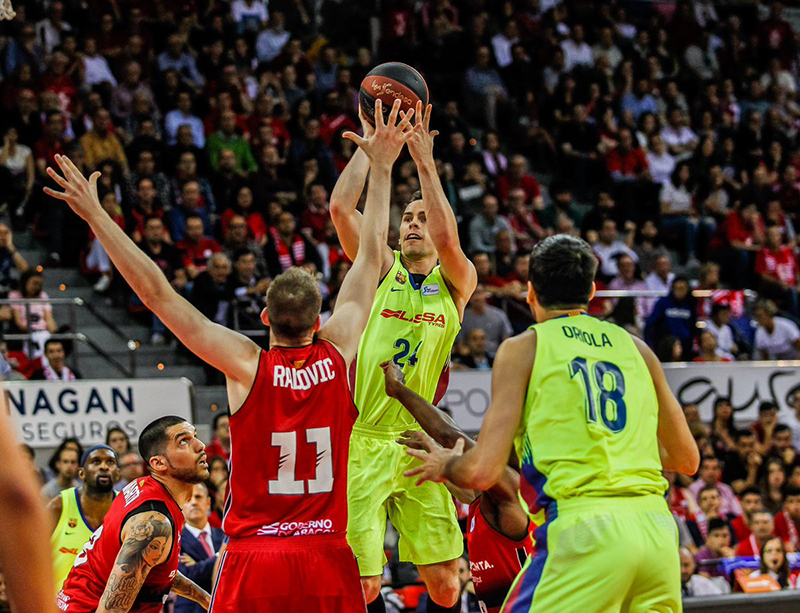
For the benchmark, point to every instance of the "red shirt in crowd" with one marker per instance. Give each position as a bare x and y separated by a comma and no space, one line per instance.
527,183
215,448
628,164
734,230
197,255
779,265
788,529
740,529
315,219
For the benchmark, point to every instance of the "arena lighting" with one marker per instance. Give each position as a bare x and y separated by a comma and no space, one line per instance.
62,287
160,366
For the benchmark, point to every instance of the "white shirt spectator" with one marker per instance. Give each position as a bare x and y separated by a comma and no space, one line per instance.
609,254
96,70
698,585
785,81
725,340
678,137
661,166
576,54
270,43
49,35
676,200
19,163
502,49
612,53
656,283
780,345
257,10
705,13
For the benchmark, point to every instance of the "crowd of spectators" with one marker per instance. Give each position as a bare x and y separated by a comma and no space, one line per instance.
739,517
664,134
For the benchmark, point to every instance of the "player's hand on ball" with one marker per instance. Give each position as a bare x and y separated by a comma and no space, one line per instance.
367,128
383,147
394,377
79,193
434,462
420,145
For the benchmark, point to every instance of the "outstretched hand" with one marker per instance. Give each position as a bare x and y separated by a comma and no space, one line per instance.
79,193
434,460
385,144
420,144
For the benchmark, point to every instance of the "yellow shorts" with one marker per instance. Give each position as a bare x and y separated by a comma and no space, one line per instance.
602,555
425,516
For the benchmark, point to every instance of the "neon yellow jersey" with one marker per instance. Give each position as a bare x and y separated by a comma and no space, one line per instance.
589,425
414,326
70,535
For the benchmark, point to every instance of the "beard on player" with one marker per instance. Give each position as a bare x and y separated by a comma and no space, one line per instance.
182,470
100,472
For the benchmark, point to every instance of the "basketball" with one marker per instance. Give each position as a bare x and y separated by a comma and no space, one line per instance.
389,82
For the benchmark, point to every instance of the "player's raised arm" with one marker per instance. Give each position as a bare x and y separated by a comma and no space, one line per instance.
482,466
355,298
458,271
147,540
24,529
678,448
346,193
203,337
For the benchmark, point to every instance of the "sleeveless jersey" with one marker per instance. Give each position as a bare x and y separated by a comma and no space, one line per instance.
70,535
289,446
414,326
86,582
590,417
494,559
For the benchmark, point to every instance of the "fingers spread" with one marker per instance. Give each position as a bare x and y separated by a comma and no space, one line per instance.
55,194
379,123
57,177
393,113
427,121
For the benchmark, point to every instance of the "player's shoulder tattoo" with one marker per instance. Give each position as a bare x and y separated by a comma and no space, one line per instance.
147,543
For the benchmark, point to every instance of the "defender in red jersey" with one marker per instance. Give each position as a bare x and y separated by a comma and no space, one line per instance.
291,410
498,530
131,561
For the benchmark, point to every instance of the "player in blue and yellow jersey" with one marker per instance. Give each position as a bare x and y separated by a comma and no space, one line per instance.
77,512
416,315
588,409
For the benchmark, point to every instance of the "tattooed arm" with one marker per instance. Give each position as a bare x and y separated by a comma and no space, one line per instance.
146,542
187,588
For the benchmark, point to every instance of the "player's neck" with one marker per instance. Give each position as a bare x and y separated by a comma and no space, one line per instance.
545,315
181,491
92,499
423,265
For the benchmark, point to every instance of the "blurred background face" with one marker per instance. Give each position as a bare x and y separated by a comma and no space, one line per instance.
118,442
762,525
67,464
710,502
219,269
154,231
774,554
476,340
132,467
719,538
194,229
199,506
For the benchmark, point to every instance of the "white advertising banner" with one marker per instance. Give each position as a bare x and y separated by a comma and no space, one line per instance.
747,384
45,412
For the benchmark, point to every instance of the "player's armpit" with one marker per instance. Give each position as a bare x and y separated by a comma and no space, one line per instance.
146,543
182,586
677,446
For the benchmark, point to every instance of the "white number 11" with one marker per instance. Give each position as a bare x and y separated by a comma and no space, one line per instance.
286,484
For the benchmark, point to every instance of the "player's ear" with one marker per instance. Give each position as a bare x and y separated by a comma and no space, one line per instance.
157,463
318,323
265,317
82,474
531,298
594,289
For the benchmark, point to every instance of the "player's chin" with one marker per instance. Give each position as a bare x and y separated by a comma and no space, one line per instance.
201,475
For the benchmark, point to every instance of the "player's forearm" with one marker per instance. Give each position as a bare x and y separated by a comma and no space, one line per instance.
469,472
375,227
182,586
434,422
442,223
141,273
350,184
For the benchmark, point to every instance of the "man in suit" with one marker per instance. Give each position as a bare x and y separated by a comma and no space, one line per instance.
199,546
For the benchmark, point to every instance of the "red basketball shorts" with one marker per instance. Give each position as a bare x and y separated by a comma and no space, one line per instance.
287,575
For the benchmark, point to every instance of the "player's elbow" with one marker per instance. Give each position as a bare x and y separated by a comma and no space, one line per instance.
19,499
686,462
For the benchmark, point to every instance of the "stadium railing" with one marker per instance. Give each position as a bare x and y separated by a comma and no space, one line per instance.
787,601
73,305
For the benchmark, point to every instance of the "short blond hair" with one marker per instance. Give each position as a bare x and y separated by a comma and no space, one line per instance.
293,303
